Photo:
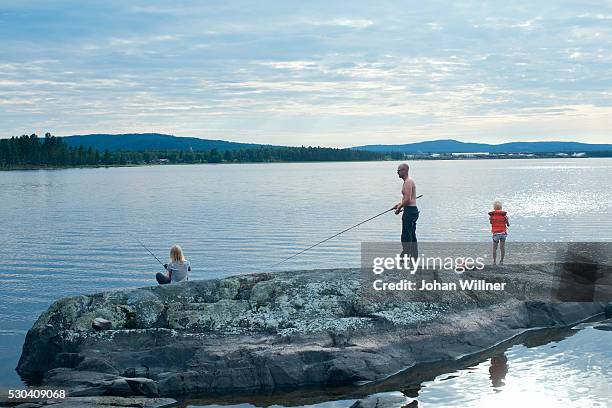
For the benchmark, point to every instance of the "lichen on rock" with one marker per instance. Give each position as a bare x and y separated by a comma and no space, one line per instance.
264,331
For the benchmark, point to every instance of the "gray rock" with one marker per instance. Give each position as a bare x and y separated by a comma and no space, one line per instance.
386,400
147,306
264,331
119,387
105,401
133,372
608,311
96,364
143,386
101,324
605,325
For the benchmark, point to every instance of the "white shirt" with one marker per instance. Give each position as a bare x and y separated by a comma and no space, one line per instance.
179,270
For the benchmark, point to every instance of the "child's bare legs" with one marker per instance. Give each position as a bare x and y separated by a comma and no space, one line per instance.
502,250
495,252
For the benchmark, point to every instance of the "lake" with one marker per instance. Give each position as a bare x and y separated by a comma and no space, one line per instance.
76,231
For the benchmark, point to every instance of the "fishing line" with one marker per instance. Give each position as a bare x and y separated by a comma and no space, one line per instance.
334,236
147,249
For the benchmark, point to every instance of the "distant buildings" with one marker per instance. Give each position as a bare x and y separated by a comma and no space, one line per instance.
489,155
474,154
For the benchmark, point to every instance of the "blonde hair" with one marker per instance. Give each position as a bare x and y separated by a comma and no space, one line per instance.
497,205
176,254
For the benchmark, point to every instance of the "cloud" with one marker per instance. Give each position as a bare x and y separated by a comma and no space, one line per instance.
322,75
143,40
290,65
344,22
596,16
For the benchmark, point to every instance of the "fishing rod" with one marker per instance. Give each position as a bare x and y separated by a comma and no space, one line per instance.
335,235
147,249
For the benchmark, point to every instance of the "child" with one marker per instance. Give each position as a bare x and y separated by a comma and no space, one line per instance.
499,227
177,268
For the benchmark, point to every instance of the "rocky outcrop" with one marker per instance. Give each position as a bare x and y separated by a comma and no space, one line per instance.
386,400
604,325
265,331
102,402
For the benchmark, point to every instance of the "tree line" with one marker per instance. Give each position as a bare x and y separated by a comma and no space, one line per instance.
51,151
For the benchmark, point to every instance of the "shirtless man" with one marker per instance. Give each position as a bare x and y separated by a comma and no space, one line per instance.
411,213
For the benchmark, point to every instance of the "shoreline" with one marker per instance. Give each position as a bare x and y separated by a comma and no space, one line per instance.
269,331
28,168
412,375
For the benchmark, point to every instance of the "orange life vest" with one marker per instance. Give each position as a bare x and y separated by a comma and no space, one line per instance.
498,221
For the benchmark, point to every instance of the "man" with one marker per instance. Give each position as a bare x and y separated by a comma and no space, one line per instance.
411,213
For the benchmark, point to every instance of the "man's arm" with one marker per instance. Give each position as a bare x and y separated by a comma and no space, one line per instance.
399,206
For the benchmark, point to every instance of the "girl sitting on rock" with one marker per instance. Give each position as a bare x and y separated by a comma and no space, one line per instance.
177,268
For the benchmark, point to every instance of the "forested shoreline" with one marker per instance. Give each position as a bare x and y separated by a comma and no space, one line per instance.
25,152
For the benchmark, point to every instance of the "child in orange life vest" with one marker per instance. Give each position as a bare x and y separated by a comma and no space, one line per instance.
499,227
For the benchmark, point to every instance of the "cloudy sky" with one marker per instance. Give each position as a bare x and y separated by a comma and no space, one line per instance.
316,73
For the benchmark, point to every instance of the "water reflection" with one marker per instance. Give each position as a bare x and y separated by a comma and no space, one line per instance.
549,367
498,370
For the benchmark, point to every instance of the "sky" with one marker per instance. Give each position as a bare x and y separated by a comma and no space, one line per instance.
326,73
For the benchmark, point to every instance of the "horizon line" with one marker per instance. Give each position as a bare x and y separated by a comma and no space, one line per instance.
337,147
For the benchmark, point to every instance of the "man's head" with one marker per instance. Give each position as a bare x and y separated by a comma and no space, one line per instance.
402,171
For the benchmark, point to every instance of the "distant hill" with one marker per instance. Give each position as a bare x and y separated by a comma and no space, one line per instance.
151,141
158,141
455,146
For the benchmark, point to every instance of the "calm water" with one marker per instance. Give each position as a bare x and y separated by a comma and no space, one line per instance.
74,231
